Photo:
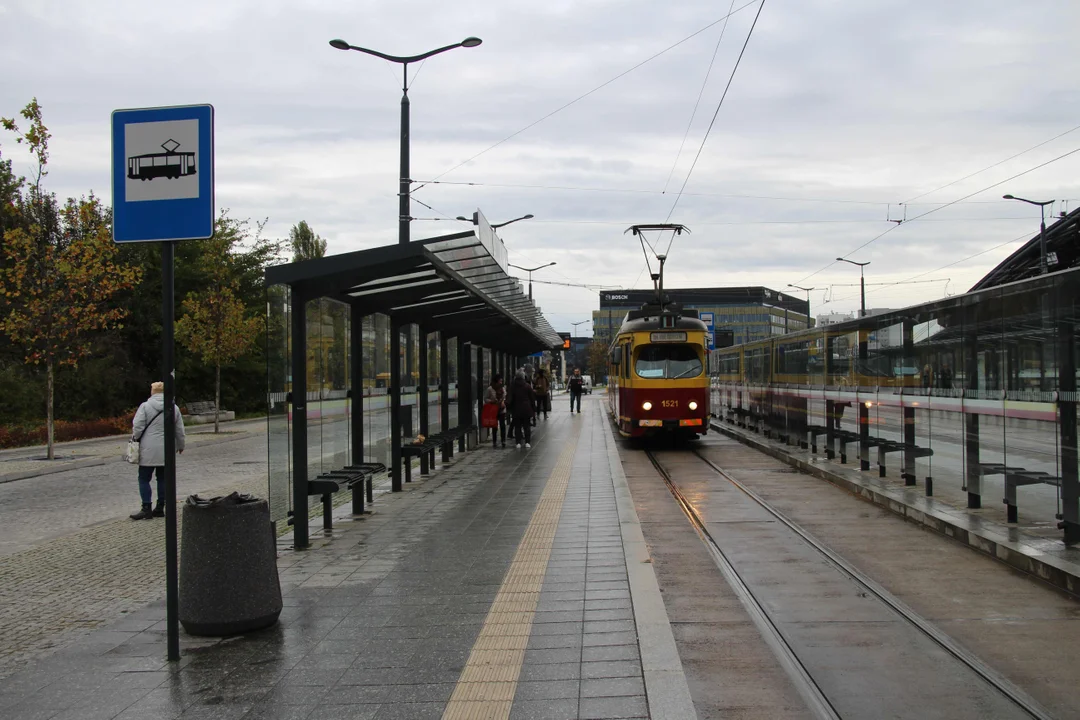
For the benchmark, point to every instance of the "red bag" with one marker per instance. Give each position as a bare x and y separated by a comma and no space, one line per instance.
489,416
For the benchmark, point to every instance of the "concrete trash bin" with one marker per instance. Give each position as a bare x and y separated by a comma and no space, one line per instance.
228,566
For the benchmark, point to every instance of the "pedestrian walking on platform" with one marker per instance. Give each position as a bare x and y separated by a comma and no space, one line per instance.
496,395
148,429
577,389
542,387
522,407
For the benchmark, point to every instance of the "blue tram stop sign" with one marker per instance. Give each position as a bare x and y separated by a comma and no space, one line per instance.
163,173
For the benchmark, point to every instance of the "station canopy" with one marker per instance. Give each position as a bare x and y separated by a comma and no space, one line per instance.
1062,253
455,284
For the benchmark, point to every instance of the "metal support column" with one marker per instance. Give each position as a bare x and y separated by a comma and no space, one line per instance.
908,473
444,391
395,406
864,411
464,409
422,394
1070,467
356,400
479,399
973,474
298,314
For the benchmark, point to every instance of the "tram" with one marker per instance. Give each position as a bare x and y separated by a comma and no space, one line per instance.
169,164
657,382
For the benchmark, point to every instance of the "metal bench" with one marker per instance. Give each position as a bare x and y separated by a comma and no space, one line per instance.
1017,477
426,450
353,477
910,451
201,407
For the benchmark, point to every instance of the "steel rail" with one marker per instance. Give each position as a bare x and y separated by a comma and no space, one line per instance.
991,676
804,683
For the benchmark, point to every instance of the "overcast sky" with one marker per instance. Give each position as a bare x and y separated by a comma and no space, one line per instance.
839,112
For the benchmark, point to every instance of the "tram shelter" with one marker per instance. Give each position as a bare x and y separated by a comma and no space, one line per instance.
455,285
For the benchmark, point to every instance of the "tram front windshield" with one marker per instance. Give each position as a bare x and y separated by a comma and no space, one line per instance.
668,362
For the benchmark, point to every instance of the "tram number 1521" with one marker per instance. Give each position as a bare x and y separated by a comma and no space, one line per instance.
669,403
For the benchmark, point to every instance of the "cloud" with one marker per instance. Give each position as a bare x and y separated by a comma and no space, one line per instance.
838,113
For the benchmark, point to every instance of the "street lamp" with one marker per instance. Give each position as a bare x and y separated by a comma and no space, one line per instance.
807,291
580,322
476,221
530,271
862,281
403,190
1042,228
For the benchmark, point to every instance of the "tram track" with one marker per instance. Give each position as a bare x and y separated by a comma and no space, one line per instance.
801,672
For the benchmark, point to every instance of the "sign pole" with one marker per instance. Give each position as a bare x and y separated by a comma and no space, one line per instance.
172,592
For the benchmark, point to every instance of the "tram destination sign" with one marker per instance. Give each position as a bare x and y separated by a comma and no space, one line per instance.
661,337
163,173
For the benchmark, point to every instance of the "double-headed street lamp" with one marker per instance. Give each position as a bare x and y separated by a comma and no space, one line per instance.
1042,228
862,281
403,190
530,270
807,291
476,221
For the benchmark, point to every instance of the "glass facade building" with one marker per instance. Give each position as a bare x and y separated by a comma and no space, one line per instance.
749,313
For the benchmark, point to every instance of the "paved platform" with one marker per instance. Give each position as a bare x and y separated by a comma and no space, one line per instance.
509,583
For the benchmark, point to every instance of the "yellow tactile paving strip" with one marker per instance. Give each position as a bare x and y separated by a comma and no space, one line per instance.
485,690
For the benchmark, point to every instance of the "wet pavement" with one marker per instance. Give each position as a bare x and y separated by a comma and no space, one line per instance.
382,616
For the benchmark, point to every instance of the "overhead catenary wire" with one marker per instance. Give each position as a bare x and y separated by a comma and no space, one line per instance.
778,198
712,122
942,207
1025,236
697,103
991,167
595,89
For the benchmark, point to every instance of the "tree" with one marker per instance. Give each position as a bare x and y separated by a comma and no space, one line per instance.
306,245
59,274
216,324
598,357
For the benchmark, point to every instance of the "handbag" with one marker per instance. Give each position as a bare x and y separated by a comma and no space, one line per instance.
131,454
489,416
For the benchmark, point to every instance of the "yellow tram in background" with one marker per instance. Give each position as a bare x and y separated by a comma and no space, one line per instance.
657,379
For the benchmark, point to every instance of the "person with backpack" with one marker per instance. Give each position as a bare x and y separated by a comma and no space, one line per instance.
522,406
542,387
148,429
496,395
576,386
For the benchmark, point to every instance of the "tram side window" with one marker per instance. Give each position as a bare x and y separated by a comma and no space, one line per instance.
728,365
757,364
668,361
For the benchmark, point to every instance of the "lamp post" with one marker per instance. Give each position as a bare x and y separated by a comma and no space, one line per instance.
529,270
403,188
580,322
1042,228
862,281
476,221
807,291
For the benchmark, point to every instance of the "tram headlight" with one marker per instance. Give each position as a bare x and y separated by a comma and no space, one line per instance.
693,405
646,406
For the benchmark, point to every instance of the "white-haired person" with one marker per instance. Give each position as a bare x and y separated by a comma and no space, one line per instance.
148,428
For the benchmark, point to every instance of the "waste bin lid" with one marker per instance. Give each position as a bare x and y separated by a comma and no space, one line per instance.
234,498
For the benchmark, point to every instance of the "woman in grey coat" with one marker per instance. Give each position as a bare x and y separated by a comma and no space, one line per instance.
149,423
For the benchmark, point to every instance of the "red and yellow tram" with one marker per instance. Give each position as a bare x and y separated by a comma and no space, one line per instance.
656,375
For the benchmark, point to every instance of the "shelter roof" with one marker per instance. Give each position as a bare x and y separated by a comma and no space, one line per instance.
1062,251
456,284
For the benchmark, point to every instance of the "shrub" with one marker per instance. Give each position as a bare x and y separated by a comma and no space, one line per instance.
26,434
